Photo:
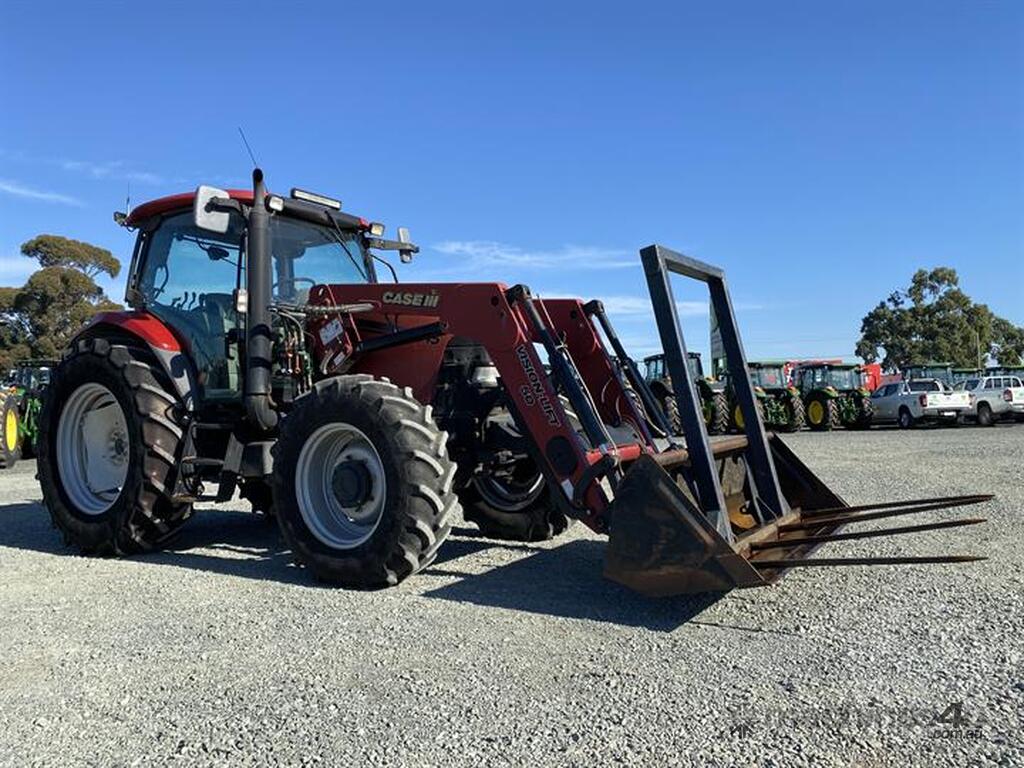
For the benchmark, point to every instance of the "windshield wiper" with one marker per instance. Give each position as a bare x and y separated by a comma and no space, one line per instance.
336,234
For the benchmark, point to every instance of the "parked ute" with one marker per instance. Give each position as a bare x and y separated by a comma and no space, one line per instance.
993,398
917,401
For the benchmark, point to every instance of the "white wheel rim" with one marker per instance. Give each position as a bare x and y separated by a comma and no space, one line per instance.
92,449
333,523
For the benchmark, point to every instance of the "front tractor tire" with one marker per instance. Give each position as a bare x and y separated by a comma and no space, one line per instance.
109,436
865,413
739,424
796,417
822,413
670,407
518,507
363,486
718,417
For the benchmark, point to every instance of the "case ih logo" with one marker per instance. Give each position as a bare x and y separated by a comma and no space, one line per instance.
534,392
411,299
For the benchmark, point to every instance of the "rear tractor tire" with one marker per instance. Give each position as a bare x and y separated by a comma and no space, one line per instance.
822,413
109,438
10,438
363,486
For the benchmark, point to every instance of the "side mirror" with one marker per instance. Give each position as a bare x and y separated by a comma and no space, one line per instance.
205,216
405,254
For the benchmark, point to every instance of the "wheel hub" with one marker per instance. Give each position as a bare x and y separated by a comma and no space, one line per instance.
351,483
340,485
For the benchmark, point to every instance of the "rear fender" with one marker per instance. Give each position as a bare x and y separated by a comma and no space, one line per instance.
148,329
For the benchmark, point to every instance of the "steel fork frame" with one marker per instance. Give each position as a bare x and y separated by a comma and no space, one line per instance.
659,264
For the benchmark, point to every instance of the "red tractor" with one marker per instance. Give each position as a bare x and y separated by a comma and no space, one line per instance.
261,354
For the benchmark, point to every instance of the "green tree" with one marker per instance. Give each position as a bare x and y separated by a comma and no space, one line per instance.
934,320
40,318
57,251
1009,342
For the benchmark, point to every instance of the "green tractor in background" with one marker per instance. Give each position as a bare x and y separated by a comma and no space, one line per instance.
26,385
713,398
834,395
778,401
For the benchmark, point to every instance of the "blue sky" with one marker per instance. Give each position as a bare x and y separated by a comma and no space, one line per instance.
819,152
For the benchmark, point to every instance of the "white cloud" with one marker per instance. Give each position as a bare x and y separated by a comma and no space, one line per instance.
20,190
115,169
488,253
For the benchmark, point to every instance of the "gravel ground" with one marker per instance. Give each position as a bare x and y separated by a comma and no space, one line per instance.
221,652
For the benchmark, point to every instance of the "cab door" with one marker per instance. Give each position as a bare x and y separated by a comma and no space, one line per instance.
187,279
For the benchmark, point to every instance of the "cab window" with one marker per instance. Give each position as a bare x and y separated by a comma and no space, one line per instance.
187,279
306,255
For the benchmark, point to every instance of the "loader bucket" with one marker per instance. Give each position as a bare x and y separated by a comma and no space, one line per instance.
737,511
662,543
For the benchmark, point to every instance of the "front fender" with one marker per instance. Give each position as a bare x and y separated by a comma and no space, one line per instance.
150,330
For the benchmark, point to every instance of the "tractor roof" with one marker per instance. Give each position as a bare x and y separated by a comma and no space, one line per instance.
177,202
805,366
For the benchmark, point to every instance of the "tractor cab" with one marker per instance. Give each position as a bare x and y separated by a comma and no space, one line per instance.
779,401
768,375
194,277
932,370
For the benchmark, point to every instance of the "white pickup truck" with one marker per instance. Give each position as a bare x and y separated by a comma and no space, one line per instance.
994,398
919,400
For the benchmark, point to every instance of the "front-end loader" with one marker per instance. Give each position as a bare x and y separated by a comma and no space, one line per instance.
261,353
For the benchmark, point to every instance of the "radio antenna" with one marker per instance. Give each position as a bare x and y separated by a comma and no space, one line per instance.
248,148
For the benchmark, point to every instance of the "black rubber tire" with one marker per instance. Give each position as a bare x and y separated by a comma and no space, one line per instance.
143,517
796,417
831,413
904,419
719,414
985,417
420,503
540,521
737,415
9,454
865,413
670,408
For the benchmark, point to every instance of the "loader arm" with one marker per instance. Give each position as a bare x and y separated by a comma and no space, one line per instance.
685,513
